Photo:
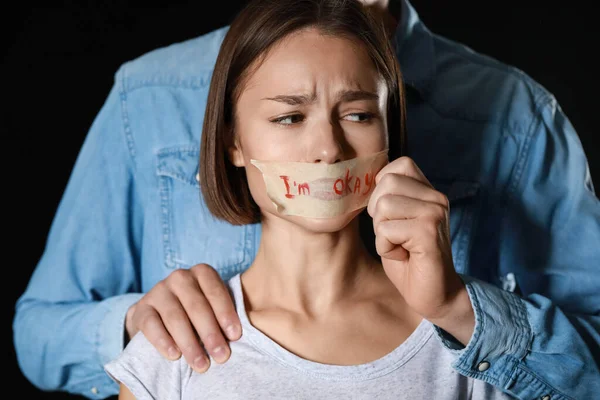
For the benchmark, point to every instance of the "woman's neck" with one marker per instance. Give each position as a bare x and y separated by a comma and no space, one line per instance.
323,297
308,273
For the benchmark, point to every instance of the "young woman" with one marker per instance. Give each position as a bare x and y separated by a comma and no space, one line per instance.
315,82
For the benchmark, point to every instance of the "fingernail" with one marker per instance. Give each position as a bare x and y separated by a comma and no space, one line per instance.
200,364
219,354
173,353
232,332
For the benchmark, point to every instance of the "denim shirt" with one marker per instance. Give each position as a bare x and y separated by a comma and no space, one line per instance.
525,222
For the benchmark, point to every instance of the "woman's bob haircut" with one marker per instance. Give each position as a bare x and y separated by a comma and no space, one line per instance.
260,25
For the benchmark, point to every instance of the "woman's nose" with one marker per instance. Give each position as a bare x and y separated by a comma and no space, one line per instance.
327,144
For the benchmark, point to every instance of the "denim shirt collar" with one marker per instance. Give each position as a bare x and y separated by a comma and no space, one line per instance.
413,43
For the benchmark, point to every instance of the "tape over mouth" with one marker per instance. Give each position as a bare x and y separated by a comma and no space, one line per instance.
318,190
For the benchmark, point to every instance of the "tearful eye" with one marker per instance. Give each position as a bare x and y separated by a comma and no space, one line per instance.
288,119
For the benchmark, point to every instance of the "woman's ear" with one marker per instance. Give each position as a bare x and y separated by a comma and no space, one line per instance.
236,156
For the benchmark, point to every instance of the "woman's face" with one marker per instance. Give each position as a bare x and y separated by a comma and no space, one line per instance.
314,99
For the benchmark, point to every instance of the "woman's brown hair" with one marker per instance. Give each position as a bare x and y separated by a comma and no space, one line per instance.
259,25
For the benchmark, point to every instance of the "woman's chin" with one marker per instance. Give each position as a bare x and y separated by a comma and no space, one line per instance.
324,225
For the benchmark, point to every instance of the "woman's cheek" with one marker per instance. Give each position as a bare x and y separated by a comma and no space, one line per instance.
368,141
258,189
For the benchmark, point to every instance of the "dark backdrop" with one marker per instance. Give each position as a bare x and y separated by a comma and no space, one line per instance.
59,59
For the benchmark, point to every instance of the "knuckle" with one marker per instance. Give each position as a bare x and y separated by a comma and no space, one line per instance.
384,203
378,230
178,275
198,307
381,229
433,222
381,245
203,269
442,213
431,227
387,179
443,200
172,313
437,212
212,339
406,163
143,302
139,311
177,280
160,287
190,347
204,273
147,321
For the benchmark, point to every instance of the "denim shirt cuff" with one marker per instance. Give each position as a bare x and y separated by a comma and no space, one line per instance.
501,336
111,332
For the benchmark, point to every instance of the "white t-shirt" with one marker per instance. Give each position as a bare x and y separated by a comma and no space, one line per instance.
420,368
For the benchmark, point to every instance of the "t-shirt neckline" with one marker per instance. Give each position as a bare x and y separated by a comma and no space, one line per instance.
379,367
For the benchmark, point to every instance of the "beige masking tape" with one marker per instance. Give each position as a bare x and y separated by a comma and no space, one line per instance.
319,190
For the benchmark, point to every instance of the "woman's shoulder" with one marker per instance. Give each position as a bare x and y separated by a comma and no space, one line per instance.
146,372
234,286
139,346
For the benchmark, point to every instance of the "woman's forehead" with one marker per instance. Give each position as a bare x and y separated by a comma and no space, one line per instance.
310,61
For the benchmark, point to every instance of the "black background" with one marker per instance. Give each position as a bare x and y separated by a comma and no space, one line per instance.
59,61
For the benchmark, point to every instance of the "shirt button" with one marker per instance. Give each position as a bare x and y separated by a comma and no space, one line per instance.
198,177
546,397
509,282
483,366
94,390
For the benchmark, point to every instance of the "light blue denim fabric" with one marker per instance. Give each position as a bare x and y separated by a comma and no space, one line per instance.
525,222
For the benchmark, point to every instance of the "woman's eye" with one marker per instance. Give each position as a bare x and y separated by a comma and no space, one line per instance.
288,119
359,117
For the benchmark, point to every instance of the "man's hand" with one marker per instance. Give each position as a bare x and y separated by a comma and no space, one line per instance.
188,308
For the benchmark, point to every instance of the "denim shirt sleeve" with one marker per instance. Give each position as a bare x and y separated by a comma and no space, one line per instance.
545,339
69,321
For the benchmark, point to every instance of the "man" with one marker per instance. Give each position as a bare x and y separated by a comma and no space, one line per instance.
524,219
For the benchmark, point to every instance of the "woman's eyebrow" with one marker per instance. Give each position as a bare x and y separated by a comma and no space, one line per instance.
294,99
347,96
344,96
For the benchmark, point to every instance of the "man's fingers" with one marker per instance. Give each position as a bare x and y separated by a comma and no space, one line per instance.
220,300
201,315
188,309
149,322
177,323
